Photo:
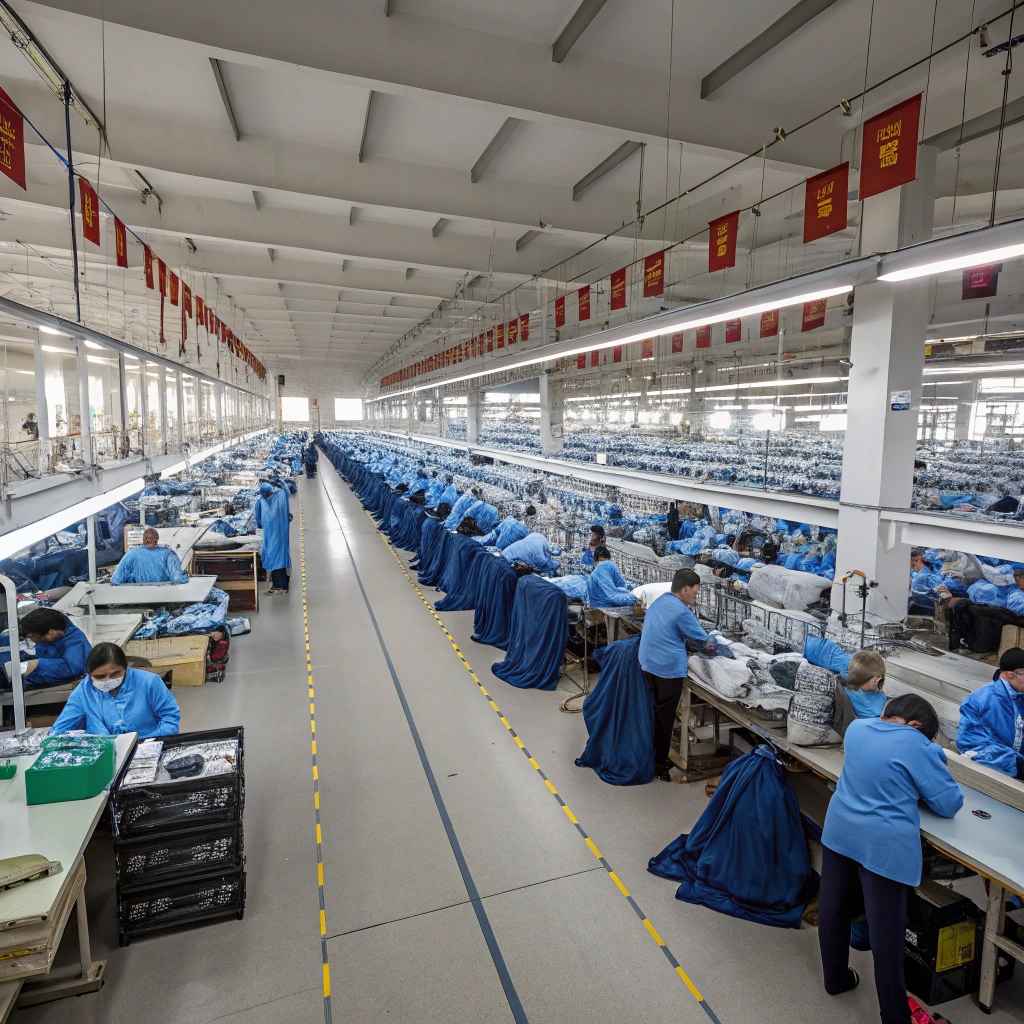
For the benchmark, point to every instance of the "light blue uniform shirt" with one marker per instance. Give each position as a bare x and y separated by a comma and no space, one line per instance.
149,565
867,703
143,704
607,589
873,818
534,550
668,624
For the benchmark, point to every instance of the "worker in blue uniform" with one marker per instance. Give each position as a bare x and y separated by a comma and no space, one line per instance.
459,510
871,843
507,532
596,541
991,726
273,517
115,699
149,563
669,626
310,457
61,649
605,586
534,550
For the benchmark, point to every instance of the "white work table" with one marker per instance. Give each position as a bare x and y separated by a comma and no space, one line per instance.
61,832
106,595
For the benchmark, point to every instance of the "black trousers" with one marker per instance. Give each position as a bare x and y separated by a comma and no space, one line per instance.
666,694
279,578
885,901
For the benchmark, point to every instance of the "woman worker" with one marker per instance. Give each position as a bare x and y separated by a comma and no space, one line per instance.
872,842
114,698
273,517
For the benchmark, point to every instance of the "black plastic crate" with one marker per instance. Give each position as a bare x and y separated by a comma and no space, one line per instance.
177,904
138,812
933,987
179,856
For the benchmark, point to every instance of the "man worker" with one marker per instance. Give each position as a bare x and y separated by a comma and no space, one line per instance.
149,563
596,541
668,626
991,729
62,649
605,586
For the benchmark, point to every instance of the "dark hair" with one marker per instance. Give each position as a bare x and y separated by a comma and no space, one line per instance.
530,511
913,708
917,552
105,654
684,578
598,529
42,620
601,552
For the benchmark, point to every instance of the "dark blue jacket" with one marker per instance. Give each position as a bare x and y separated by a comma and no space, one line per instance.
62,661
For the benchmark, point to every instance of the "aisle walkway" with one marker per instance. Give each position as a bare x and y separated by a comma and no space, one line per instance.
456,887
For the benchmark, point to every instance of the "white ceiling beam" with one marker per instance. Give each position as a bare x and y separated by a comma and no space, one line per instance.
580,21
494,147
218,74
779,31
606,166
978,127
525,239
441,224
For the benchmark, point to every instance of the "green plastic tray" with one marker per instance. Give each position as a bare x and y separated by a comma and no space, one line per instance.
49,785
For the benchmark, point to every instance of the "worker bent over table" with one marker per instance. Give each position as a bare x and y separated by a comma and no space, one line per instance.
149,563
61,649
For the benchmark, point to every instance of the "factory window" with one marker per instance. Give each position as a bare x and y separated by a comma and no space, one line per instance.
348,408
295,410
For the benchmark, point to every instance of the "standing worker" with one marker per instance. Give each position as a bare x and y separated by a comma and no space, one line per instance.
273,517
871,843
149,563
311,456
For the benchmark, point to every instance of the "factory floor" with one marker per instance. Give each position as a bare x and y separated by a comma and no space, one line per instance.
456,885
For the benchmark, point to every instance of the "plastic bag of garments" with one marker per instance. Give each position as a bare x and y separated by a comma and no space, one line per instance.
785,588
987,593
827,654
813,708
747,854
726,676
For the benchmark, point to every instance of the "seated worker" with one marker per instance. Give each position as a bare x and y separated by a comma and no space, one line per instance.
596,541
507,532
149,563
991,729
871,843
62,649
534,550
863,684
116,699
605,587
668,625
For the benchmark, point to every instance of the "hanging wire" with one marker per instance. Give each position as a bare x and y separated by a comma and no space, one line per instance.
928,79
1007,71
963,114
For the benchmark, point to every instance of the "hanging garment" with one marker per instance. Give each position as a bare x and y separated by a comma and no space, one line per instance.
538,633
619,716
747,854
495,587
458,581
434,541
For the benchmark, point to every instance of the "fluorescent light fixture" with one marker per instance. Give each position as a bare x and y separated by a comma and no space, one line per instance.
990,368
94,344
59,351
52,330
976,259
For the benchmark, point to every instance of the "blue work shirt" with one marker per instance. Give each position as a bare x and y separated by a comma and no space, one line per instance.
668,624
873,818
507,532
587,558
534,550
867,703
607,589
459,510
992,727
61,661
272,517
143,704
149,565
449,496
433,492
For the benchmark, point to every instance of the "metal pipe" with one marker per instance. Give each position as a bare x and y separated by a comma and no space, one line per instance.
18,691
71,197
90,535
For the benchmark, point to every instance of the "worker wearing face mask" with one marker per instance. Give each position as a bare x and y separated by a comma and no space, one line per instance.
115,699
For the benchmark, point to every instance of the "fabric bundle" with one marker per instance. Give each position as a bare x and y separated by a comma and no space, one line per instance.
538,633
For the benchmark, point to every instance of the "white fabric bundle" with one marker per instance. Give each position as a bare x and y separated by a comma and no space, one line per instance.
786,588
726,676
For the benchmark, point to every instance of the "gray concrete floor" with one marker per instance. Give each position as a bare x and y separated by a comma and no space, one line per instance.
450,901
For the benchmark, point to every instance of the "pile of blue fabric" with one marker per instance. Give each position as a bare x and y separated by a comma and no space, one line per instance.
202,617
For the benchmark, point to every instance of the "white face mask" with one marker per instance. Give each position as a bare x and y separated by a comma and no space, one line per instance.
106,685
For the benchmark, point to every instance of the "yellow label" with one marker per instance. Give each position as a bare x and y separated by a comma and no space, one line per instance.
956,946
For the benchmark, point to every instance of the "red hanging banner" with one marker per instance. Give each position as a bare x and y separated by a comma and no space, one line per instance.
595,358
90,211
581,361
513,331
889,151
524,327
654,274
583,300
814,315
677,342
825,203
490,340
647,348
560,312
617,354
161,273
186,298
733,330
120,243
704,336
184,328
499,335
200,312
147,260
174,288
980,282
769,324
619,289
12,140
722,242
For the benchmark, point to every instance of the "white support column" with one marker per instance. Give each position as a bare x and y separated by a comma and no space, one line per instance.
551,415
90,539
439,415
887,356
84,416
180,395
219,399
474,416
161,403
42,411
122,386
966,396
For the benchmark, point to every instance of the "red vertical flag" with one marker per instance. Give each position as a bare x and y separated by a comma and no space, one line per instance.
595,358
654,274
186,298
513,331
814,315
889,149
647,348
560,312
770,323
677,342
490,340
499,336
524,327
200,312
581,361
704,336
617,354
120,243
147,259
734,330
174,288
722,242
90,211
12,140
583,298
825,203
161,273
619,289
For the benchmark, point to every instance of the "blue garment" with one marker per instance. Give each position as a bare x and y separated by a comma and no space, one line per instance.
619,715
992,727
984,592
537,636
574,586
867,703
272,516
747,854
669,623
433,493
1015,600
607,589
507,532
449,496
873,818
495,597
587,558
534,550
61,661
827,654
149,565
143,704
458,511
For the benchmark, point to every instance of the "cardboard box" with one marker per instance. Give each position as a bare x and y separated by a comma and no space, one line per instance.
1012,636
184,656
